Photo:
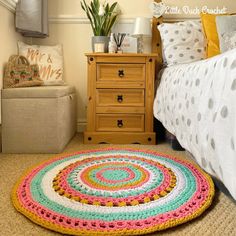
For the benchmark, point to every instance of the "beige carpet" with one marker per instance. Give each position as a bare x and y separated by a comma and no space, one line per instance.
220,219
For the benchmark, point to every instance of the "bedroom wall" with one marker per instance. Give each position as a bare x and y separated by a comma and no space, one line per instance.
9,38
70,27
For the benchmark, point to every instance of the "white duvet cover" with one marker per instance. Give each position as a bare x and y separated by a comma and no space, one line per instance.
197,103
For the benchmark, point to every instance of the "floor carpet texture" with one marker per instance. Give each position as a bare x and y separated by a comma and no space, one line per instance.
219,219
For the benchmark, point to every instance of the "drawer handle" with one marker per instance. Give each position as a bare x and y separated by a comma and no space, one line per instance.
121,73
120,98
120,123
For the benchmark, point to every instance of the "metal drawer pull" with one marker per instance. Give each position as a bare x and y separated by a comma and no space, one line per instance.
120,98
121,73
120,123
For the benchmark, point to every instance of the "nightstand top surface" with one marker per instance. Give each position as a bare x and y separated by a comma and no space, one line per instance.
122,54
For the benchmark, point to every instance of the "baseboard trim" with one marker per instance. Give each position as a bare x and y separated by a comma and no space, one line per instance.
81,126
9,4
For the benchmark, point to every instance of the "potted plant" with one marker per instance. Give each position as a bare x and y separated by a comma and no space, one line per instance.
102,17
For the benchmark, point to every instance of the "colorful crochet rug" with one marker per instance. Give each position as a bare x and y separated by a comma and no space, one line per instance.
113,192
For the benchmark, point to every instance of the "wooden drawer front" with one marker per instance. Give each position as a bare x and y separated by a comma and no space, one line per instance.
121,122
121,72
120,97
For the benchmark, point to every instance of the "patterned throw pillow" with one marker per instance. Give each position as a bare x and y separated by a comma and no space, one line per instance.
182,42
226,27
49,59
229,41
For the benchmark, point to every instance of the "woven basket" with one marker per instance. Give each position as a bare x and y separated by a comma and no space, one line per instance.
19,73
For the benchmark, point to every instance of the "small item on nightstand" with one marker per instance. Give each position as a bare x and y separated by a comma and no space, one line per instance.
112,44
142,28
119,50
119,38
99,47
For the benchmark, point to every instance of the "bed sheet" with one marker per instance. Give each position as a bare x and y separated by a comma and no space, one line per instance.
197,103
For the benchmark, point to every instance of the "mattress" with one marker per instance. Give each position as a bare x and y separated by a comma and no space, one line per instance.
197,103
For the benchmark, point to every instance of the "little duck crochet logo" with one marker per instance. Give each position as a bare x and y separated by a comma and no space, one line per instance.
158,9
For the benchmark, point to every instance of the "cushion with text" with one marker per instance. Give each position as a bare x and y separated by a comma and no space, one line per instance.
49,59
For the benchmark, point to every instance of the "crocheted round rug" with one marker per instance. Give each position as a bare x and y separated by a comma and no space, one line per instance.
113,192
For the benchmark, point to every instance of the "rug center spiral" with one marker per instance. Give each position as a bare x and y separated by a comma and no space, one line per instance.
117,181
115,175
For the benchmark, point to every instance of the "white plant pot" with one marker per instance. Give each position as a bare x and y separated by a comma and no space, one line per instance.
100,43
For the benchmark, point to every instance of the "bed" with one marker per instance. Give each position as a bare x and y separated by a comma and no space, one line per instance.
196,102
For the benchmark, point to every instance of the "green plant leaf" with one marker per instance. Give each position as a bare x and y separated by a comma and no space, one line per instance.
101,25
111,23
93,19
85,7
107,9
82,6
113,6
96,17
96,4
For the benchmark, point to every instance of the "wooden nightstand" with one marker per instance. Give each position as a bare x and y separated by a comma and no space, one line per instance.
120,98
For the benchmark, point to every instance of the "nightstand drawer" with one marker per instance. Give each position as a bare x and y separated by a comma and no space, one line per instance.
121,72
120,97
123,122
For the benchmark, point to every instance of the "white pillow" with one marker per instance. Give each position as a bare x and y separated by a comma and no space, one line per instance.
182,42
49,59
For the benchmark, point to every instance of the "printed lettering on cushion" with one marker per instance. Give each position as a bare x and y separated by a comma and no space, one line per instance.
49,59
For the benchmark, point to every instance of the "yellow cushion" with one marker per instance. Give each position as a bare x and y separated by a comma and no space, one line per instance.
209,26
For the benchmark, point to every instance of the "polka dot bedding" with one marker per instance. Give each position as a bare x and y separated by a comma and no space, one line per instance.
182,42
197,103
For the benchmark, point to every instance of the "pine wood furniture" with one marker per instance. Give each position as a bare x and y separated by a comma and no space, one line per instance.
156,37
120,98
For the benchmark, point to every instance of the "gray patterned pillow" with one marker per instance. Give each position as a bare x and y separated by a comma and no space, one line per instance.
182,42
226,27
229,40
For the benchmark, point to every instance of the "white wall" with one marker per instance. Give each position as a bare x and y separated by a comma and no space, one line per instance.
69,26
9,38
129,8
132,8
